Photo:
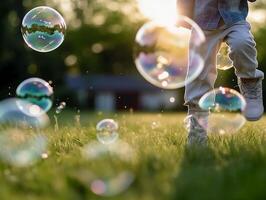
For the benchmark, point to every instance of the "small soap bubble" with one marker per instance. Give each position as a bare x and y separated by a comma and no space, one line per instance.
43,29
223,60
164,53
225,108
107,131
61,107
37,92
172,100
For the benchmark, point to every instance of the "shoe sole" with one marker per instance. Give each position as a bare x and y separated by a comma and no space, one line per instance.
254,119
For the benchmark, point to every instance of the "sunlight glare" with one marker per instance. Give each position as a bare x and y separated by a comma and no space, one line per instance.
157,10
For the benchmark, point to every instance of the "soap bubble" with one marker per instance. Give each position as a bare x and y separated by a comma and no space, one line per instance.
223,60
20,112
61,107
111,180
21,142
36,91
20,148
225,106
172,99
163,53
107,131
43,29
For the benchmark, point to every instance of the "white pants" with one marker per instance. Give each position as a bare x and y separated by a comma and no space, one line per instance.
243,53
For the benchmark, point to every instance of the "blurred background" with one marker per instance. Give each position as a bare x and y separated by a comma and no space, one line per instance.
94,67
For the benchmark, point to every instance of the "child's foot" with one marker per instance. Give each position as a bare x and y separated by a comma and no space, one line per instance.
197,134
251,89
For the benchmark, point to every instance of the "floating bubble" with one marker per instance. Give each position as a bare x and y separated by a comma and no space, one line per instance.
20,112
223,60
114,179
20,139
37,92
225,108
172,100
164,52
43,29
61,107
107,131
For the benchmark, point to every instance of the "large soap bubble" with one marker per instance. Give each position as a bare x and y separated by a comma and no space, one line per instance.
43,29
163,53
225,106
109,168
223,60
21,141
107,131
36,91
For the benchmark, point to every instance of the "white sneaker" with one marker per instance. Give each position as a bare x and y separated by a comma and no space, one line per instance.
251,89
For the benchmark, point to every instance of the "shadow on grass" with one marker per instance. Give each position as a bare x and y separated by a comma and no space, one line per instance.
226,169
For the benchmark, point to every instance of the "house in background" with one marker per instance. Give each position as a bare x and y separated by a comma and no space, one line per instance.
109,93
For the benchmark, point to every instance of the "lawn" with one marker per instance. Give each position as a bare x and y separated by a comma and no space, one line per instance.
230,167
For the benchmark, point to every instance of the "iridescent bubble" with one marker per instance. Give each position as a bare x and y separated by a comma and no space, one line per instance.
225,108
107,131
223,60
111,180
163,53
20,112
37,92
20,139
43,29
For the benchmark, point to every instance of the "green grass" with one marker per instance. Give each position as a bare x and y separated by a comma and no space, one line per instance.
231,167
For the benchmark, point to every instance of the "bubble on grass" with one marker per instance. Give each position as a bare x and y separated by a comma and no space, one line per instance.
114,179
107,131
43,29
61,107
225,108
20,139
164,52
20,148
37,92
223,60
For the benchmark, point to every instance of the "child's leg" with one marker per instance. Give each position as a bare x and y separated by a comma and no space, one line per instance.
197,118
244,55
243,51
206,79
